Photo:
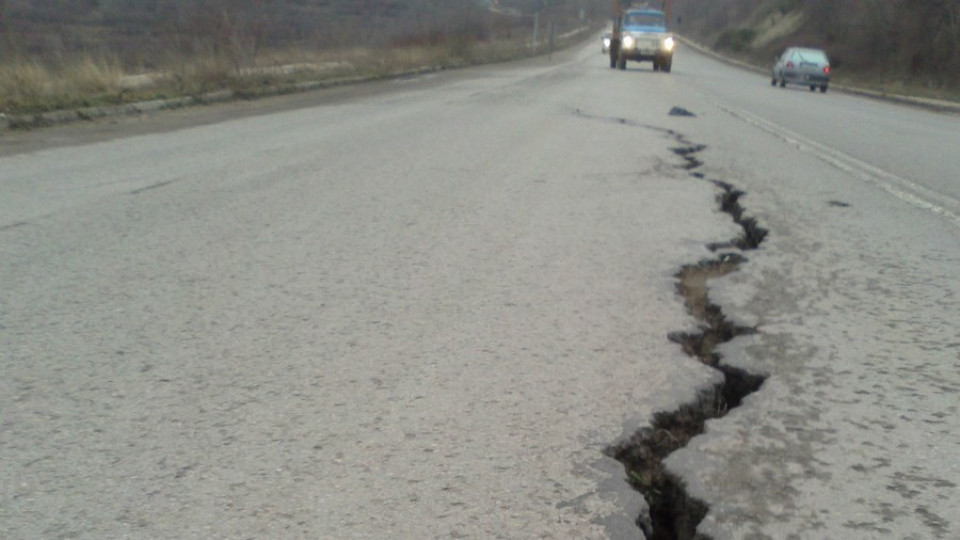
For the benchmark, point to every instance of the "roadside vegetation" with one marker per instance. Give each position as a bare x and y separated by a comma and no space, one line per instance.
70,54
74,54
895,46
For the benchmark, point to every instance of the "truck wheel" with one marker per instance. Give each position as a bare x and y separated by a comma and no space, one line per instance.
666,67
622,64
613,61
656,66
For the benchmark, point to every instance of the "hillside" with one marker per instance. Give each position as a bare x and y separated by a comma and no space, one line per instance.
913,44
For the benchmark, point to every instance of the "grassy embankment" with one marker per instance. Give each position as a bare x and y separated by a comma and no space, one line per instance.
32,87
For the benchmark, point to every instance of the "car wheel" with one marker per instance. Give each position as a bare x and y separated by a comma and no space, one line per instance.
773,81
823,89
622,64
667,66
783,83
613,61
813,88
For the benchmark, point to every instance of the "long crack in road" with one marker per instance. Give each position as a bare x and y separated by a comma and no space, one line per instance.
673,514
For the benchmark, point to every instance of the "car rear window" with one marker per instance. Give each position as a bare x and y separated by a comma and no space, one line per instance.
807,55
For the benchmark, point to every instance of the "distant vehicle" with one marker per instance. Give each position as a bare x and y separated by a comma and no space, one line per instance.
798,65
641,35
605,41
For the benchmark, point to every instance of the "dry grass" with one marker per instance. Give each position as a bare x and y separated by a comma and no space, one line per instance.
23,84
34,87
197,75
30,87
91,77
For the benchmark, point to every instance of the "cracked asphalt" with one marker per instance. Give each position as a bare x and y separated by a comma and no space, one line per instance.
423,308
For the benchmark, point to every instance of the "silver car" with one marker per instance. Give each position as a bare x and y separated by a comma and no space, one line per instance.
798,65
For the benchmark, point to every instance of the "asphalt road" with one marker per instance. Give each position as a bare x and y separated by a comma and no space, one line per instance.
854,292
423,308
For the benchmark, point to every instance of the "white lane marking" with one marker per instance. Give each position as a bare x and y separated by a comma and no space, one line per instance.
901,188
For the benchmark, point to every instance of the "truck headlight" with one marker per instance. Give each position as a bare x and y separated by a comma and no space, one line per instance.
628,41
668,44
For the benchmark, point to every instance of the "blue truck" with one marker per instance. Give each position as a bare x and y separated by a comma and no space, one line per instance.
640,35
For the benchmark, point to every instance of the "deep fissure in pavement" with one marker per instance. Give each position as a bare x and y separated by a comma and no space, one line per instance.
674,514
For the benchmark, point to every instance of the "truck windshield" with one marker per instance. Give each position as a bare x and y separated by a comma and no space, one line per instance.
643,19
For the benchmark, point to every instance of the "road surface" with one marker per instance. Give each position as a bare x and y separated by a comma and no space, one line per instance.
424,308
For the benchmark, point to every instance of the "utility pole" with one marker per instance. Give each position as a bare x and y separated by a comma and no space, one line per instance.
536,29
4,36
551,29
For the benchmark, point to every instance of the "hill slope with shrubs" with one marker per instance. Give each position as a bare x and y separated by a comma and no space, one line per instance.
898,45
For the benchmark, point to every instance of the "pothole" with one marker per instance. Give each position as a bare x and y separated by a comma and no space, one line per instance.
673,513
